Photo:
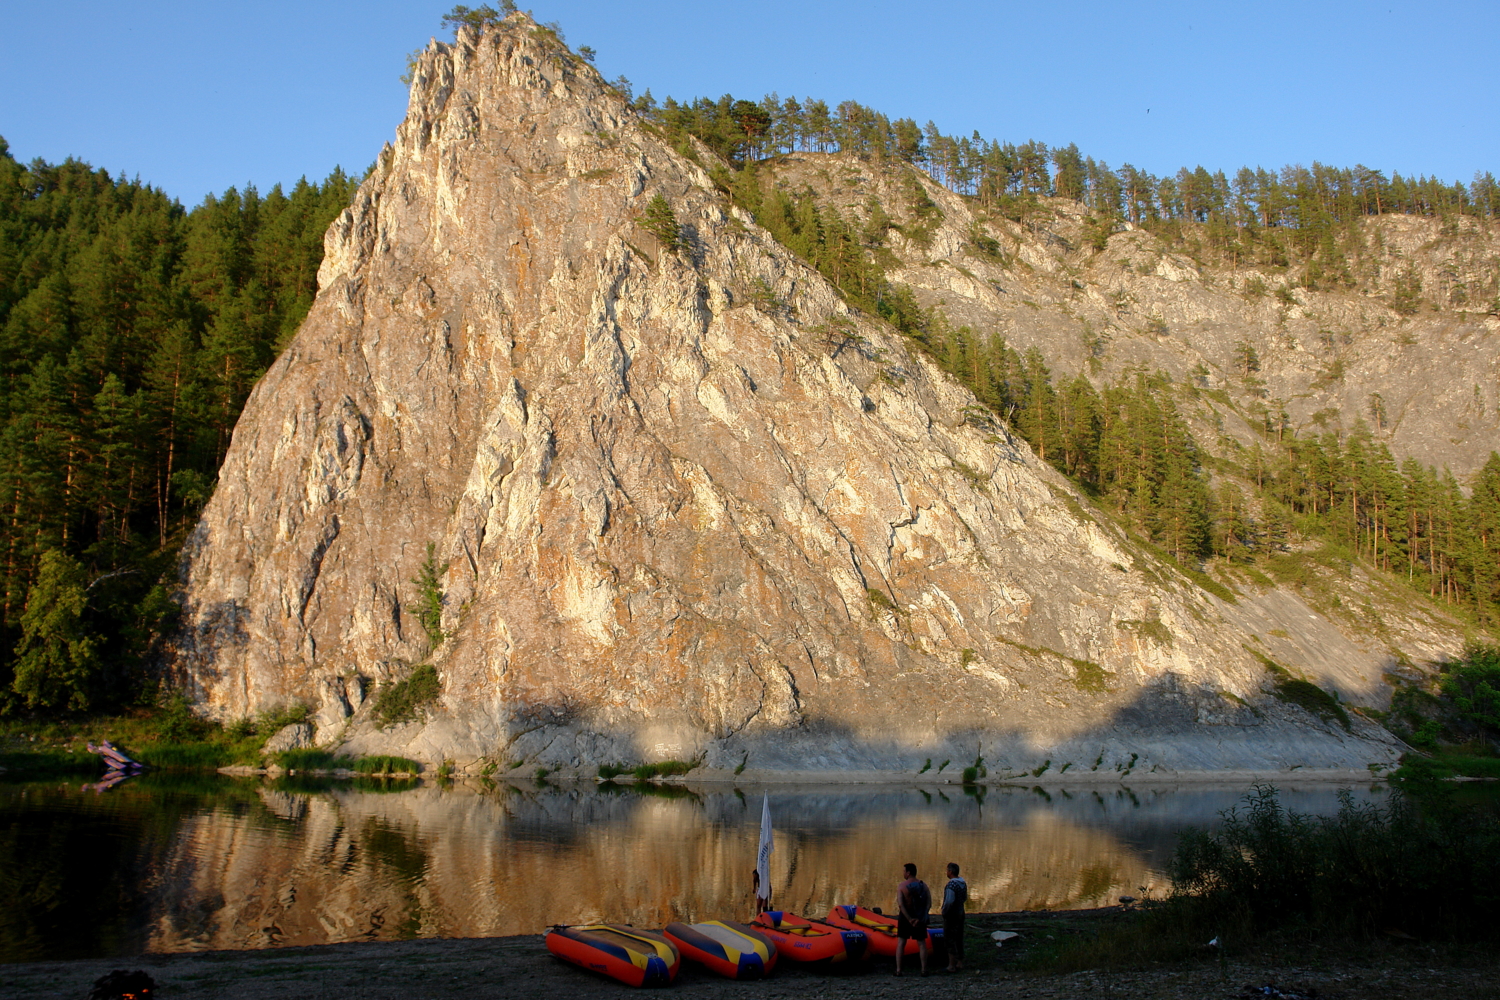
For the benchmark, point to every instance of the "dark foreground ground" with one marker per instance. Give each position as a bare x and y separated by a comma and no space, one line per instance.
474,969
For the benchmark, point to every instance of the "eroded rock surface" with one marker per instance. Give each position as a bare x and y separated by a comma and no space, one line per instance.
686,504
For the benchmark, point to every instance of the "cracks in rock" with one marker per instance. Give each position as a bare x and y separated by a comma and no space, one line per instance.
315,565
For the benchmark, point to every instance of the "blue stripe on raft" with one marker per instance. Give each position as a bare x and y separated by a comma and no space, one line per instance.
657,973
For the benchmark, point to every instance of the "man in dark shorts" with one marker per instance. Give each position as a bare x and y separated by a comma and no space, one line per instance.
955,898
913,903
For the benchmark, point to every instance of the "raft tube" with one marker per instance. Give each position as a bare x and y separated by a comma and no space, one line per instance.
881,930
634,957
802,940
732,950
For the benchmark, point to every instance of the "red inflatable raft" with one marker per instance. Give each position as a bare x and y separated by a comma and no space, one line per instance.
634,957
802,940
880,929
730,949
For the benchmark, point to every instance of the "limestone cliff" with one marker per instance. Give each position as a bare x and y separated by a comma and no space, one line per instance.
688,503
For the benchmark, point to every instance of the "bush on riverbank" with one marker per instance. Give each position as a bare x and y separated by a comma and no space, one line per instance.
1427,867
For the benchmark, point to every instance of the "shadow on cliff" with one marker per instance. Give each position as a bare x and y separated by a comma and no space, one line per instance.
1170,726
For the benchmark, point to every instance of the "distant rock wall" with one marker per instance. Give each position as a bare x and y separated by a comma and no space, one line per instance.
1427,384
687,505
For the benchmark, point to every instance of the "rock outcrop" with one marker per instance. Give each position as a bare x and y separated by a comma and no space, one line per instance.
685,502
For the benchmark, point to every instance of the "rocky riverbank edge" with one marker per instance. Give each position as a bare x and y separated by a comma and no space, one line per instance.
468,969
714,780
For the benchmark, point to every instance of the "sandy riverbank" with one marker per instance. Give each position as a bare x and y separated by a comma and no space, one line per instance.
472,969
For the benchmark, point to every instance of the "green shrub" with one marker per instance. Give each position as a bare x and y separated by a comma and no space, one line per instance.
1472,686
608,772
1270,879
404,700
1357,873
971,775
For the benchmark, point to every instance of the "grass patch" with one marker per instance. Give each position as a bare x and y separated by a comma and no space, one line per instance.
166,736
1311,698
1442,765
48,763
310,759
407,698
1304,694
977,479
662,769
880,601
1087,675
385,764
1152,629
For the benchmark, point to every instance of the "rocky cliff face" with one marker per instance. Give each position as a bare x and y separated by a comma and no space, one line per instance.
1423,373
686,503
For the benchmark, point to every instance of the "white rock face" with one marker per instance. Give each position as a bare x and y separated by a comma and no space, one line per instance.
297,736
679,516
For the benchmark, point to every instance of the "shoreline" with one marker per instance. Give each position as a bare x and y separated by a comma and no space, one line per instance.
463,968
719,780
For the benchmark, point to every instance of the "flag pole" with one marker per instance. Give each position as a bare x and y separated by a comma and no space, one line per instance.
763,858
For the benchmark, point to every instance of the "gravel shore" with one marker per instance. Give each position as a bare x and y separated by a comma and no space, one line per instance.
474,969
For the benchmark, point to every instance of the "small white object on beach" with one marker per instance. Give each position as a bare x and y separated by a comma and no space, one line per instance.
1000,937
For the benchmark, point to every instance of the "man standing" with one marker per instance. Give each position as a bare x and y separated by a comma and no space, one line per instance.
955,898
913,902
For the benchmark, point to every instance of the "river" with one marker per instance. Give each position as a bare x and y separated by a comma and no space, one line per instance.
169,863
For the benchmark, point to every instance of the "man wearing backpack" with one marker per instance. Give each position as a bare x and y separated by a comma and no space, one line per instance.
913,903
955,898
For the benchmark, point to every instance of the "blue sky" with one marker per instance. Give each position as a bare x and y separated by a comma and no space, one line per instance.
194,99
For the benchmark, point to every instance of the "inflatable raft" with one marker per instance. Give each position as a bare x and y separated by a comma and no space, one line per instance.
732,950
880,929
801,940
634,957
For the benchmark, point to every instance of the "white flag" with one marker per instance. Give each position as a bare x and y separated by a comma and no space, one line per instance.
763,858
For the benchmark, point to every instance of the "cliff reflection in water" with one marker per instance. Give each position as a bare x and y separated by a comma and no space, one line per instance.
342,864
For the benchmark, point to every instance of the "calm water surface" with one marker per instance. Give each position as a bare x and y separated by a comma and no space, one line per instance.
166,863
